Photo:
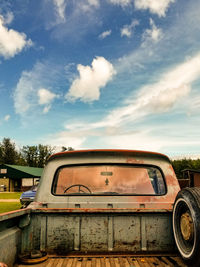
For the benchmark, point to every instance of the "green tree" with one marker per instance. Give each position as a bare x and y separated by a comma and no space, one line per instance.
20,160
36,156
8,152
182,164
1,154
44,151
29,153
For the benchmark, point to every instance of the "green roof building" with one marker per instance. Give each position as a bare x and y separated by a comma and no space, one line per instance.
18,178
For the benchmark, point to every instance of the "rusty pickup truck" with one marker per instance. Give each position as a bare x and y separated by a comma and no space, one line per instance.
105,208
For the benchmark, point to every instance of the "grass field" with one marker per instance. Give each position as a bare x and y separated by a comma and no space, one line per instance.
12,195
8,206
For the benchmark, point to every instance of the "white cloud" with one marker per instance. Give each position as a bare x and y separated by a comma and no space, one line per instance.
162,103
94,3
65,139
23,93
30,95
60,6
87,86
127,29
154,34
158,7
11,41
139,141
152,140
122,3
171,89
8,18
88,7
105,34
7,117
161,96
153,98
46,98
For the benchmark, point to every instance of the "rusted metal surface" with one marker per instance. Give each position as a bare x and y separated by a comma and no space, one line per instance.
11,224
64,232
128,158
34,257
13,214
115,152
61,224
93,210
184,183
111,261
187,226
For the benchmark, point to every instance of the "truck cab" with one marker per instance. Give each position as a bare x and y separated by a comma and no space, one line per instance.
100,202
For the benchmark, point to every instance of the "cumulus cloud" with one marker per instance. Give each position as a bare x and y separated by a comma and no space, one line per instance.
153,98
127,29
87,86
103,35
116,129
11,41
158,7
45,98
122,3
172,88
60,6
154,34
30,93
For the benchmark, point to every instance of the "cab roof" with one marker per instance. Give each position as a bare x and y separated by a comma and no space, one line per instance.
109,152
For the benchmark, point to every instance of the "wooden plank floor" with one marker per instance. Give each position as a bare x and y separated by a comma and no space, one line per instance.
104,261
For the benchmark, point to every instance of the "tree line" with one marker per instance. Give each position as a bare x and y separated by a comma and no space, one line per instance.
182,164
32,156
36,156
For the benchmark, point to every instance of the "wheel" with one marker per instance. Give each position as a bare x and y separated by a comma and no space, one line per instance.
79,188
186,224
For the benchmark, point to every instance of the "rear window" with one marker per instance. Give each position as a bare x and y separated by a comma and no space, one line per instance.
109,180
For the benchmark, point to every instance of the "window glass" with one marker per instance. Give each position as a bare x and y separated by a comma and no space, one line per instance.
109,180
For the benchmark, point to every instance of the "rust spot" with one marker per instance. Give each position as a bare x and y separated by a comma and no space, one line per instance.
132,160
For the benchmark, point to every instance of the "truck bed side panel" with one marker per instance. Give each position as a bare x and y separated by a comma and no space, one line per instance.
136,232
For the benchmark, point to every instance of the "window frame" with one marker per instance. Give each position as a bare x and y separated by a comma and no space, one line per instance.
55,178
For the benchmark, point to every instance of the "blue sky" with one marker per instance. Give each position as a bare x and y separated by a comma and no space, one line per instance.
101,74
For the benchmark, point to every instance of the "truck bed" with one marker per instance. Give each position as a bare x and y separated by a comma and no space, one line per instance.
111,261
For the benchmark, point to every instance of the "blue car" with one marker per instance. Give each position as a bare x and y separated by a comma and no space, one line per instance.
28,196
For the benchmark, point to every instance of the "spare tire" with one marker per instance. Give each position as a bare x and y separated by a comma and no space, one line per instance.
186,224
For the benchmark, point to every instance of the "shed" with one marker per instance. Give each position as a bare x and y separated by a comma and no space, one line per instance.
18,178
190,178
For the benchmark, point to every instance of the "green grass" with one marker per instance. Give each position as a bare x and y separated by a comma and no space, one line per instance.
12,195
8,206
